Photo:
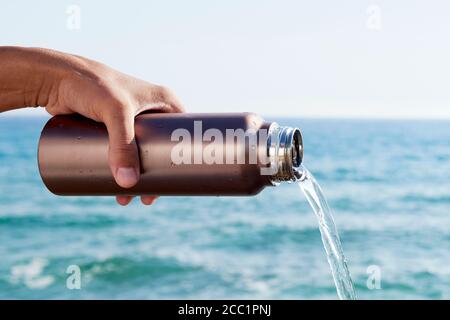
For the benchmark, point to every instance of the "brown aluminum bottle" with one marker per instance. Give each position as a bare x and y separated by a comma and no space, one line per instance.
73,155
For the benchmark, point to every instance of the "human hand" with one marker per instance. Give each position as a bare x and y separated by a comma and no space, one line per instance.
74,84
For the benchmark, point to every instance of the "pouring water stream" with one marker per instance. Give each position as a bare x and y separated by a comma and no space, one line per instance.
329,233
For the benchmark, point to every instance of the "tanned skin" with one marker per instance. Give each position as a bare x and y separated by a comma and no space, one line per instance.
64,83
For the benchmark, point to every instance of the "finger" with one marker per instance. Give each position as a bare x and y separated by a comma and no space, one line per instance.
169,97
160,99
148,200
123,200
123,152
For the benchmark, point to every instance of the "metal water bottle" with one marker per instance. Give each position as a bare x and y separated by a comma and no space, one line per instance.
227,154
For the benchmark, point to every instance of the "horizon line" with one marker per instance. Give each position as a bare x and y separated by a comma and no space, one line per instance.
41,113
268,116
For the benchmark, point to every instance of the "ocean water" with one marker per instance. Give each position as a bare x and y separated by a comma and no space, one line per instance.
387,182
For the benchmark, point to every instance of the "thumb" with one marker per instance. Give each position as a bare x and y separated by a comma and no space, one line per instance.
123,151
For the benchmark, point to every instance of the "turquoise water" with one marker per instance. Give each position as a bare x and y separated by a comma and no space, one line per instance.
388,183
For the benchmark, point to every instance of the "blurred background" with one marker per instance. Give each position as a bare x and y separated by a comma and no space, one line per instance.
366,81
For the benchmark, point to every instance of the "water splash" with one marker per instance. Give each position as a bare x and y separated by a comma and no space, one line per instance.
329,233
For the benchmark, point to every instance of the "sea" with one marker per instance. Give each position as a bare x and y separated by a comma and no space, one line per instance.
386,181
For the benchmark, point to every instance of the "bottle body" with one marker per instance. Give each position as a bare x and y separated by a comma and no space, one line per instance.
180,154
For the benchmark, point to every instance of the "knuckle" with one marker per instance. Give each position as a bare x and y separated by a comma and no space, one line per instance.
51,111
166,95
124,150
119,109
56,110
178,108
118,112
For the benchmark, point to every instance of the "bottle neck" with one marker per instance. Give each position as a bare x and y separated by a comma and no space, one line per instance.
285,150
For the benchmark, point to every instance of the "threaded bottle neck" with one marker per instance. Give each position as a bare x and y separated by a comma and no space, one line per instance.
285,150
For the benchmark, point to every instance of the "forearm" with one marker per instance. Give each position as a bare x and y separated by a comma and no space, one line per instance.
65,84
28,75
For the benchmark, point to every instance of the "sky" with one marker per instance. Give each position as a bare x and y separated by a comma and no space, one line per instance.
348,58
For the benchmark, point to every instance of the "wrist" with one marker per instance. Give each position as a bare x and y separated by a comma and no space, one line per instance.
30,77
46,68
